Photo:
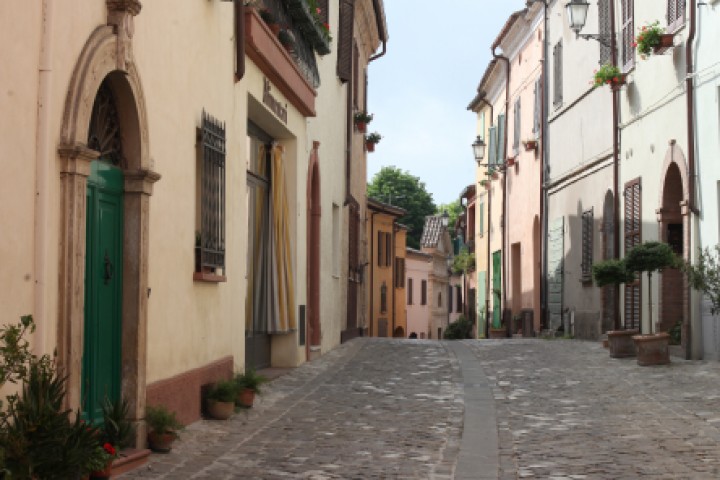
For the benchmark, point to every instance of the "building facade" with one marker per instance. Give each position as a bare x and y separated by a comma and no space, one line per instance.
418,267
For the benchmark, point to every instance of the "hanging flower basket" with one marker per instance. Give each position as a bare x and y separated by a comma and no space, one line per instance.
652,39
362,118
371,140
608,75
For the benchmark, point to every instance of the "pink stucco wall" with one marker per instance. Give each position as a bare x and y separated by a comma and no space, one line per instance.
418,267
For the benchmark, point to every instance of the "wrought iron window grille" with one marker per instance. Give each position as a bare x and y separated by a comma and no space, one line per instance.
211,242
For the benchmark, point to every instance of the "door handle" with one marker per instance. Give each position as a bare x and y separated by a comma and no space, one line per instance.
109,269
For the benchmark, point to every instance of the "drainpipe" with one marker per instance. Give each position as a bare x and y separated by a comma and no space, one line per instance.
690,97
489,223
372,274
382,34
544,157
392,280
504,199
616,162
42,170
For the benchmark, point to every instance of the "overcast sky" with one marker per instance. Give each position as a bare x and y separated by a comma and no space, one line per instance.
419,91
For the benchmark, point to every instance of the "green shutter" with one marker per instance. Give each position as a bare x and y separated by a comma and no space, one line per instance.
492,145
501,140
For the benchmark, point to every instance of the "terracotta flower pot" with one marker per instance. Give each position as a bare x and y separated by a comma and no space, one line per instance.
246,398
220,410
652,349
361,126
511,161
106,473
666,41
161,442
370,146
620,343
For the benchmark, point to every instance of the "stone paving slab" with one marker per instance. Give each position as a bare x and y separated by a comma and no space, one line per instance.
510,409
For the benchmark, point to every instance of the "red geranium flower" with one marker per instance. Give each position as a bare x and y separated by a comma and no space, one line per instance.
109,449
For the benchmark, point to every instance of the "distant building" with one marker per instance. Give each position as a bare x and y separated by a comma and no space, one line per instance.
436,242
418,267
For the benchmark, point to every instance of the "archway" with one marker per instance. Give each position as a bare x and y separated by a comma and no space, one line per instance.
313,255
673,230
106,59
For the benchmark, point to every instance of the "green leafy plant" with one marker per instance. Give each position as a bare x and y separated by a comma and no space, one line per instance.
363,117
373,138
162,421
460,329
223,391
704,276
607,74
648,38
611,272
650,257
250,380
463,262
316,12
117,430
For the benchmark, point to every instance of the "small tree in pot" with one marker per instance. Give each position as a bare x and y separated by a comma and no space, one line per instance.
163,426
614,272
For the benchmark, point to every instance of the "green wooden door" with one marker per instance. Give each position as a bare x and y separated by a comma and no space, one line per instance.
103,289
497,288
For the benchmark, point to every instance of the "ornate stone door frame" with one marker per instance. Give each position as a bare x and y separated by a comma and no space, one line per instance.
107,54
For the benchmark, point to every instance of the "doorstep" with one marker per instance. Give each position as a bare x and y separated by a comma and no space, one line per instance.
130,459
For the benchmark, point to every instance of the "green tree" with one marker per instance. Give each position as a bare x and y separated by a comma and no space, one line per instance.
401,189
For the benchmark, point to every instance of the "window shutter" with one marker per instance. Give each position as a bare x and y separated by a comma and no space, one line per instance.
410,291
537,110
501,139
628,34
587,245
632,228
381,243
239,41
557,74
345,40
516,127
450,299
604,25
675,14
481,220
492,145
388,250
423,293
356,76
458,295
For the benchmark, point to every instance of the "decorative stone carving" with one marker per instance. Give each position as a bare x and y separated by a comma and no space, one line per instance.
120,17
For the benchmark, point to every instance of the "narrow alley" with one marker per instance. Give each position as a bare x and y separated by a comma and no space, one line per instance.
380,408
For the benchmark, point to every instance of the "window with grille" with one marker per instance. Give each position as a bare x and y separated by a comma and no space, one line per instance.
211,238
587,245
675,14
628,34
557,74
605,29
423,292
633,237
409,291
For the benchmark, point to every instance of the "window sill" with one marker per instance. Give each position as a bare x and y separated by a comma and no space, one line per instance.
586,281
208,277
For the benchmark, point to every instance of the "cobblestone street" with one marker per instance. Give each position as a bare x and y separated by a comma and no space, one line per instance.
487,409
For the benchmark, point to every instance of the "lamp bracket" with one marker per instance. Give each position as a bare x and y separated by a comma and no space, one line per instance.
604,38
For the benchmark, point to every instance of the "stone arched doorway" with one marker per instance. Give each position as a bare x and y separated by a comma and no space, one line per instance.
313,253
673,229
609,292
106,61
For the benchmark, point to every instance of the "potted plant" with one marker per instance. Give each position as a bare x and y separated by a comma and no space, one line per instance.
652,349
608,74
511,161
530,145
485,183
704,276
163,427
652,39
362,118
371,140
614,272
116,429
101,463
221,399
248,385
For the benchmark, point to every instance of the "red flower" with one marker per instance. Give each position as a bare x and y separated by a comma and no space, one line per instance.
616,79
109,449
318,10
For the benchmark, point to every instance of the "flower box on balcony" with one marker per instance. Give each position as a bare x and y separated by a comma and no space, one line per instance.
299,10
667,41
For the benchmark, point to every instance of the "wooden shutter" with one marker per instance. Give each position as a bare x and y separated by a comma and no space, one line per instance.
481,219
492,145
380,244
537,108
450,299
675,14
345,40
604,27
356,76
633,237
501,139
557,74
388,250
516,127
423,292
587,245
628,34
410,291
239,40
458,298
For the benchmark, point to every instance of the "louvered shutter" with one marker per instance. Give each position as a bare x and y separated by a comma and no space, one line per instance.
516,128
388,250
604,27
587,245
537,112
409,291
381,244
632,224
501,139
628,33
345,40
239,41
675,14
557,74
492,145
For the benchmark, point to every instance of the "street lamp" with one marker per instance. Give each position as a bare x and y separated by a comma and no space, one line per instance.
479,149
445,219
577,11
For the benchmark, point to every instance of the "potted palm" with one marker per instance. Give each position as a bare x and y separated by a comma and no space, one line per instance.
614,272
248,385
221,399
652,349
163,427
371,140
362,118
